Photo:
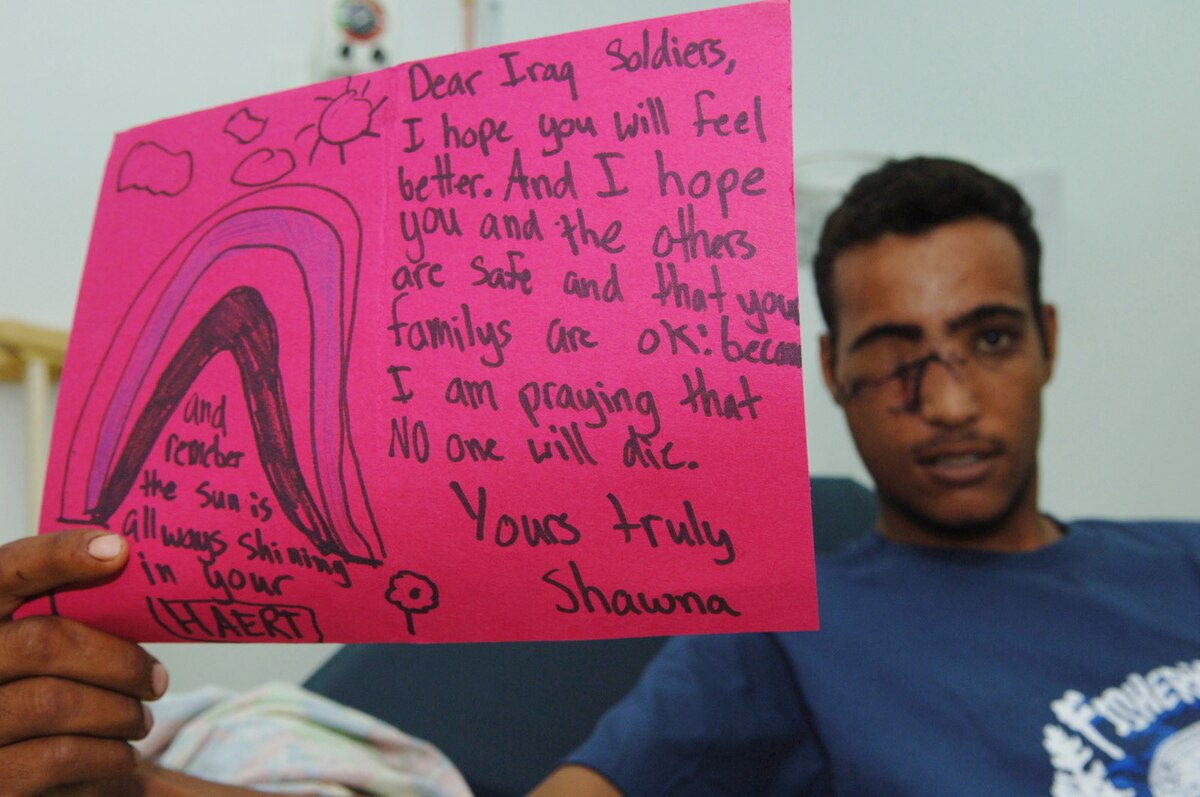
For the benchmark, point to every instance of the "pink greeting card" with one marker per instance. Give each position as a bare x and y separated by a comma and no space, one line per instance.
497,346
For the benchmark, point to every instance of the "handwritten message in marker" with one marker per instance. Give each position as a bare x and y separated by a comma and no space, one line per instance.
497,346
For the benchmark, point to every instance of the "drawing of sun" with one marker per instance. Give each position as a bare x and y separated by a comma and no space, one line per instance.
345,118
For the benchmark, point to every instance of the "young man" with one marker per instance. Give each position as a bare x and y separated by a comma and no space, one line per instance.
973,645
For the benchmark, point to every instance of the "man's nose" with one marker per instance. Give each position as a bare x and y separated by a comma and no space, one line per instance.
947,395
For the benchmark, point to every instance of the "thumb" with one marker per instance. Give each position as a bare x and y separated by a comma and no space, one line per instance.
35,565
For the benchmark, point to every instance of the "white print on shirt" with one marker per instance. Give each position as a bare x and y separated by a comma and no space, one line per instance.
1122,736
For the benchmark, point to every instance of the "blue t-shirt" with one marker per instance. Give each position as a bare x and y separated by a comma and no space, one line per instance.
1073,670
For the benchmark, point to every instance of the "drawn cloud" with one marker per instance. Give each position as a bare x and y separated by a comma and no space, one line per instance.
245,126
263,166
152,168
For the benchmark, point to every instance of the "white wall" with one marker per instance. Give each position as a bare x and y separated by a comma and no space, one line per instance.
1100,96
1104,95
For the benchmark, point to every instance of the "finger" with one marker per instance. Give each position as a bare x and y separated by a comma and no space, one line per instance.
156,782
44,707
33,767
34,565
65,648
128,786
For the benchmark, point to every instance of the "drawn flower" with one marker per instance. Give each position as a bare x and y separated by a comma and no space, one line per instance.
412,593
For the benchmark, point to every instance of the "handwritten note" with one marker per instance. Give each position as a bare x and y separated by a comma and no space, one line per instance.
502,345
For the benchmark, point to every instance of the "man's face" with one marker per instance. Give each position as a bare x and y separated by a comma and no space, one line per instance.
939,369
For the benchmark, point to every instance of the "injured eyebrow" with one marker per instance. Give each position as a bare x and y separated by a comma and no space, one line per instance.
887,331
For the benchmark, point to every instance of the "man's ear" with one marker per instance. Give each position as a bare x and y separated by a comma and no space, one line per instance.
1050,330
827,367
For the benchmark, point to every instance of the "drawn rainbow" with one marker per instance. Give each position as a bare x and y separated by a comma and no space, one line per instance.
323,494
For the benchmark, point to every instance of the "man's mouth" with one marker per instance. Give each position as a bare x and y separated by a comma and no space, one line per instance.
955,460
958,465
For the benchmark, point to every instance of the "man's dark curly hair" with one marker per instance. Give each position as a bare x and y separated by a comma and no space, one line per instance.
912,196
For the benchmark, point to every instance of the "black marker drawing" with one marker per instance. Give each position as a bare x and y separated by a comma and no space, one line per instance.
208,620
412,593
263,167
152,168
345,118
245,126
240,324
140,381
